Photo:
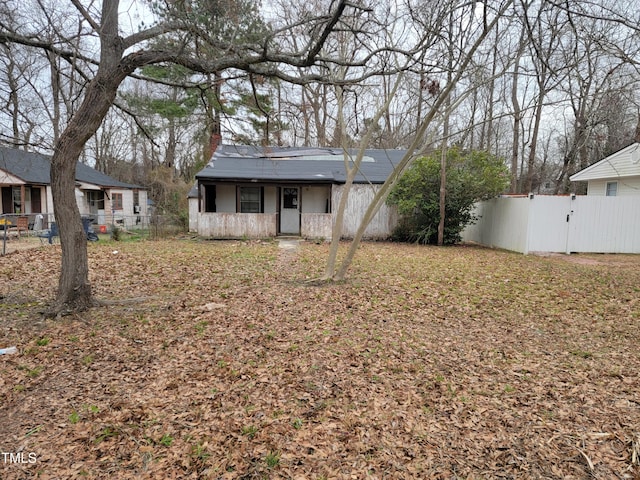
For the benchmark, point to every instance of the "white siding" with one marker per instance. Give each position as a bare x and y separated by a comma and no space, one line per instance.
193,214
314,199
270,199
8,179
624,163
316,225
126,214
226,198
626,186
47,200
127,205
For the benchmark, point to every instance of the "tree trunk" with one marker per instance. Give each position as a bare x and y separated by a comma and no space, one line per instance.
443,190
443,158
351,173
487,138
517,113
534,143
383,192
74,289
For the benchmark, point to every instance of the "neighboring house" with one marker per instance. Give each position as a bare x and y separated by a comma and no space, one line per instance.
25,187
263,192
616,175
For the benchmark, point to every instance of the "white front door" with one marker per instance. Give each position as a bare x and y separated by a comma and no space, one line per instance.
290,210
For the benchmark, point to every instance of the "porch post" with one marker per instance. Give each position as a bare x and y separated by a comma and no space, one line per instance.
23,202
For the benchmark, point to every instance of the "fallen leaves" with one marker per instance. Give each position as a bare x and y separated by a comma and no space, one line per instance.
426,363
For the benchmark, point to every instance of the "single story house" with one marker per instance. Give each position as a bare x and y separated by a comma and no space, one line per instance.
25,187
255,192
616,175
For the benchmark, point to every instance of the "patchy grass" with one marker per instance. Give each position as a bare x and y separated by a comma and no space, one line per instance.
426,363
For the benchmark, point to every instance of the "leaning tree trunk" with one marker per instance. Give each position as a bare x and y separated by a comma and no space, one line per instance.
74,289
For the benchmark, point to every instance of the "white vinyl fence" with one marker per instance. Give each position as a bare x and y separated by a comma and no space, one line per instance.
558,224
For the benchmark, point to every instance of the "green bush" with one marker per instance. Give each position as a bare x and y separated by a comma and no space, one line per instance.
471,176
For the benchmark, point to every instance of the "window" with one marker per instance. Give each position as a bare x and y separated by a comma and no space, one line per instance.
136,202
290,197
95,200
116,201
209,198
250,200
612,189
17,199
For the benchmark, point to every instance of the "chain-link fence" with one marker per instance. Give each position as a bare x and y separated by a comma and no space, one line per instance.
23,231
149,226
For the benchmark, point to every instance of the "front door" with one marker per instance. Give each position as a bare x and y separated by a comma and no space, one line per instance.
290,210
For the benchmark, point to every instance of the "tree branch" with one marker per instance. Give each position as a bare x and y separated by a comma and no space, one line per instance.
85,14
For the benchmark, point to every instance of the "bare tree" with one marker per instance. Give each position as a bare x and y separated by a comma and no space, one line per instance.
517,116
592,74
119,57
470,41
544,34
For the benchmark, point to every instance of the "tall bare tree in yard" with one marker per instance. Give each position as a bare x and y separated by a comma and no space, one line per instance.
517,114
119,57
467,45
592,71
11,85
544,34
454,39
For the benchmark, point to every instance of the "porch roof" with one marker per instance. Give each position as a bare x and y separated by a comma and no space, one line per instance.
232,163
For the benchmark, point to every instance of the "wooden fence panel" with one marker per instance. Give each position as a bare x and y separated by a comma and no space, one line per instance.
360,196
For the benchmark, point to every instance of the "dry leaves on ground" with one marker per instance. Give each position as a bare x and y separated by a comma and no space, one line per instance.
427,363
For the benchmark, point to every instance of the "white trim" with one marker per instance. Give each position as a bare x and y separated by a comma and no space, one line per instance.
616,161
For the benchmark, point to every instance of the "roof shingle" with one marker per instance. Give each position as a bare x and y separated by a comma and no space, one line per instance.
288,164
35,168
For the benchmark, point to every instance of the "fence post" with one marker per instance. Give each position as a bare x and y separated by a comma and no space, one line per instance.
527,239
4,234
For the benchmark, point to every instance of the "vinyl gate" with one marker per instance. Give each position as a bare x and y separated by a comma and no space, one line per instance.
565,224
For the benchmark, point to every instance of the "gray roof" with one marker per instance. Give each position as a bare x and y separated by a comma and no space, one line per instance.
232,163
35,168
